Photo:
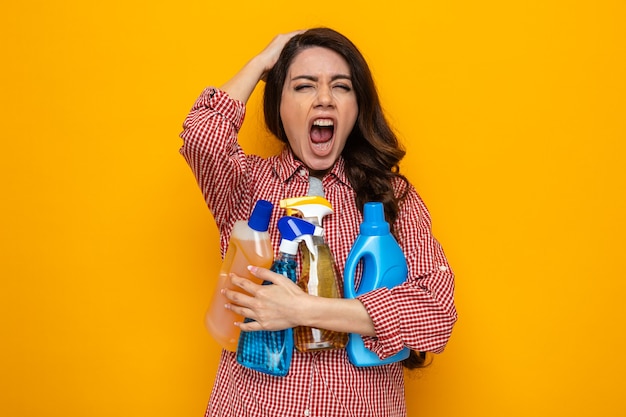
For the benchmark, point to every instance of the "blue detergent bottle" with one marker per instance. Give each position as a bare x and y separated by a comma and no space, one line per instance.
384,265
270,352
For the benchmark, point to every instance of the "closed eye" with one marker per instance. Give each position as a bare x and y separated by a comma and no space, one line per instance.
343,87
301,87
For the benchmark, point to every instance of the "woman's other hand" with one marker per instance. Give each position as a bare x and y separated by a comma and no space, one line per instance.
272,307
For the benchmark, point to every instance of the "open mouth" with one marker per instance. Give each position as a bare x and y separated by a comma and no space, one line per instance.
322,131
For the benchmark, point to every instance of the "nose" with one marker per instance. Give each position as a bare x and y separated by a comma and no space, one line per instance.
325,97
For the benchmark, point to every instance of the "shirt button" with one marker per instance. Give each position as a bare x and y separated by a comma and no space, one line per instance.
443,268
307,413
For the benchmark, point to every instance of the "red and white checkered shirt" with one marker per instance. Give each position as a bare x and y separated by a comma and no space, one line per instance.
419,314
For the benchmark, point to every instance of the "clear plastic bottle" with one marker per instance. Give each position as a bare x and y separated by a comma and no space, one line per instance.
319,275
270,352
249,244
384,265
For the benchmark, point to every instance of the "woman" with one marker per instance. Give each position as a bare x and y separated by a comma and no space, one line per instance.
321,101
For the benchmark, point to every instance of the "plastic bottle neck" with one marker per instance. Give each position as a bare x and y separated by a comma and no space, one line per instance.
318,240
284,256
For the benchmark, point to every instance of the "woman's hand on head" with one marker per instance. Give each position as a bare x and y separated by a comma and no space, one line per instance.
270,54
272,307
243,83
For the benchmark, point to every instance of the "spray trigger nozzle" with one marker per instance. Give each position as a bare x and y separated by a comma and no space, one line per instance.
313,208
295,230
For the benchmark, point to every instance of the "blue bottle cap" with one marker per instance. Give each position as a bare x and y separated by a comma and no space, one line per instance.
374,223
260,218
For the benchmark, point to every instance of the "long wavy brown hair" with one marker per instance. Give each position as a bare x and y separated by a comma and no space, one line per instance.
372,152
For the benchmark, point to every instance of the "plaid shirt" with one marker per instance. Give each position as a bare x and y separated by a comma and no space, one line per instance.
419,314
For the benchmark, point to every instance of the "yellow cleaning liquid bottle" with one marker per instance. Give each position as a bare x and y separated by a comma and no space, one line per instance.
319,275
249,244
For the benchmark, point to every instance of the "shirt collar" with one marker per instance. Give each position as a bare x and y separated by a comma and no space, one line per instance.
286,166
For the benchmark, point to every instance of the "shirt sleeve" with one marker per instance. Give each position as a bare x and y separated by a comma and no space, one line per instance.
218,163
420,313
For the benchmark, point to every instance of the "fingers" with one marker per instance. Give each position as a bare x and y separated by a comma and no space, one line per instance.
280,40
272,51
239,305
270,306
267,275
237,297
242,311
244,283
251,326
245,312
242,303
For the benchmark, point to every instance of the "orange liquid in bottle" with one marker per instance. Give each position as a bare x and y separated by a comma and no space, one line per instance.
319,278
241,253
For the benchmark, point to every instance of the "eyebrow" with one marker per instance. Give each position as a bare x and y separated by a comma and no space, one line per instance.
314,78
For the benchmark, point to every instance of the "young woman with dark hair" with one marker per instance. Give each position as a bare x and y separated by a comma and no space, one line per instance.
321,101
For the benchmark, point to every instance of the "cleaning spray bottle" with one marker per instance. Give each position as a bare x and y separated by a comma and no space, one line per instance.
270,352
319,274
384,265
249,244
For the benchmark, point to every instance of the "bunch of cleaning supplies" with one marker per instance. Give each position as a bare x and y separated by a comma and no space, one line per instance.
375,249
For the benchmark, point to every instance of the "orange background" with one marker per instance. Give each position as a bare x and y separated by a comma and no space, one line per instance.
513,114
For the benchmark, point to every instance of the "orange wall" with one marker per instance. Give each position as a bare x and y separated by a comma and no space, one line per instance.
514,118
